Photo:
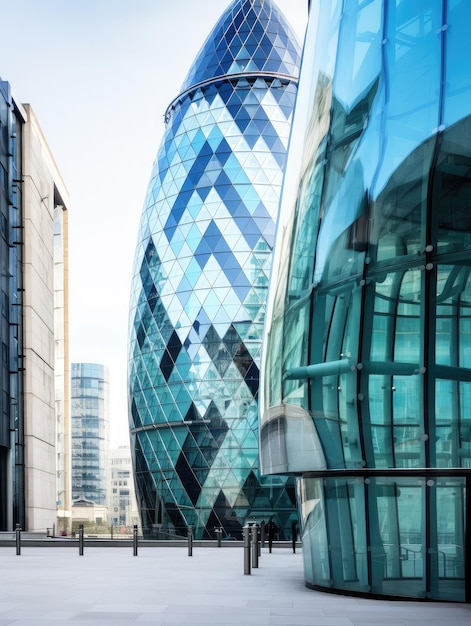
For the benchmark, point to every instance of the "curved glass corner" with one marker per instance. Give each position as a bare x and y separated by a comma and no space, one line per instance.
369,317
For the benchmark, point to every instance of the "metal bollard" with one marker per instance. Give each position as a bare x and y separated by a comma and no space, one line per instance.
247,550
134,540
18,539
111,531
255,546
81,540
219,535
190,540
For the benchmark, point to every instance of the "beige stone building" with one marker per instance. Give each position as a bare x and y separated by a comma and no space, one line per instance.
34,425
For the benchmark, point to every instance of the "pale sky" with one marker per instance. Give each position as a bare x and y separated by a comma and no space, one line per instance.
99,75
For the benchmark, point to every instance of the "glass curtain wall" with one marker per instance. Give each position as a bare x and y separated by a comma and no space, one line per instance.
200,284
90,432
371,300
12,473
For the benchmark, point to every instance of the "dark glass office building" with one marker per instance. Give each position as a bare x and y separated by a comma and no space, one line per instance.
12,437
200,283
367,368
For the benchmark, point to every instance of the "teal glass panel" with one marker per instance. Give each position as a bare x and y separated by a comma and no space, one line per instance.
464,449
392,558
413,53
447,440
345,505
380,393
452,357
358,63
398,228
315,538
328,323
397,540
457,51
295,353
407,346
450,199
407,422
453,423
448,515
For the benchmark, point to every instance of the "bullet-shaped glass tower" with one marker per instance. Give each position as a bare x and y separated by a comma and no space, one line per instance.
200,282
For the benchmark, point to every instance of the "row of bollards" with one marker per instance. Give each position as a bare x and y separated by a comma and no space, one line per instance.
81,540
134,540
252,543
252,547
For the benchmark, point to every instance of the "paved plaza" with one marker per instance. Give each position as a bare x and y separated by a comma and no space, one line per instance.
165,586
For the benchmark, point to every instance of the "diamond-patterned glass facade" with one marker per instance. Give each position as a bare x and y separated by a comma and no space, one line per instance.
200,282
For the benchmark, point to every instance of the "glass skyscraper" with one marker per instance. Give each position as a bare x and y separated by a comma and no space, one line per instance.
200,282
367,375
90,432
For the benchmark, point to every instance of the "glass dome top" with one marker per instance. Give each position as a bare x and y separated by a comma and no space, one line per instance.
252,36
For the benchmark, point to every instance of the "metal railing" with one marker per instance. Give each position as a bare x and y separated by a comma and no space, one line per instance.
409,562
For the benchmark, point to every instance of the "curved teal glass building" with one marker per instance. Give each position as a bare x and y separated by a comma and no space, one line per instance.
200,283
367,365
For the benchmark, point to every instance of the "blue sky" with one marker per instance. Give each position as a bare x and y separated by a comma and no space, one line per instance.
99,75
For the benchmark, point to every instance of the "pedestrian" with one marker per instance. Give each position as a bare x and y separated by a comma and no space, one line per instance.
272,528
262,533
294,534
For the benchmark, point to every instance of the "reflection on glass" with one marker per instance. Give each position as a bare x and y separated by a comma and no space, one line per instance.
370,307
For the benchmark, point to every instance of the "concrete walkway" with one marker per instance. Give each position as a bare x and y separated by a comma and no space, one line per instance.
164,586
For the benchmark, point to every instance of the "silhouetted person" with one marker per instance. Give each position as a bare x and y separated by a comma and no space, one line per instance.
271,528
294,534
262,533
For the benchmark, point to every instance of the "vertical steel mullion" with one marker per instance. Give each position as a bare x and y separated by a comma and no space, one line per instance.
368,534
467,546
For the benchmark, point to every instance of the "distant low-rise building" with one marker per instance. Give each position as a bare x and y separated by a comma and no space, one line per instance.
87,512
123,512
